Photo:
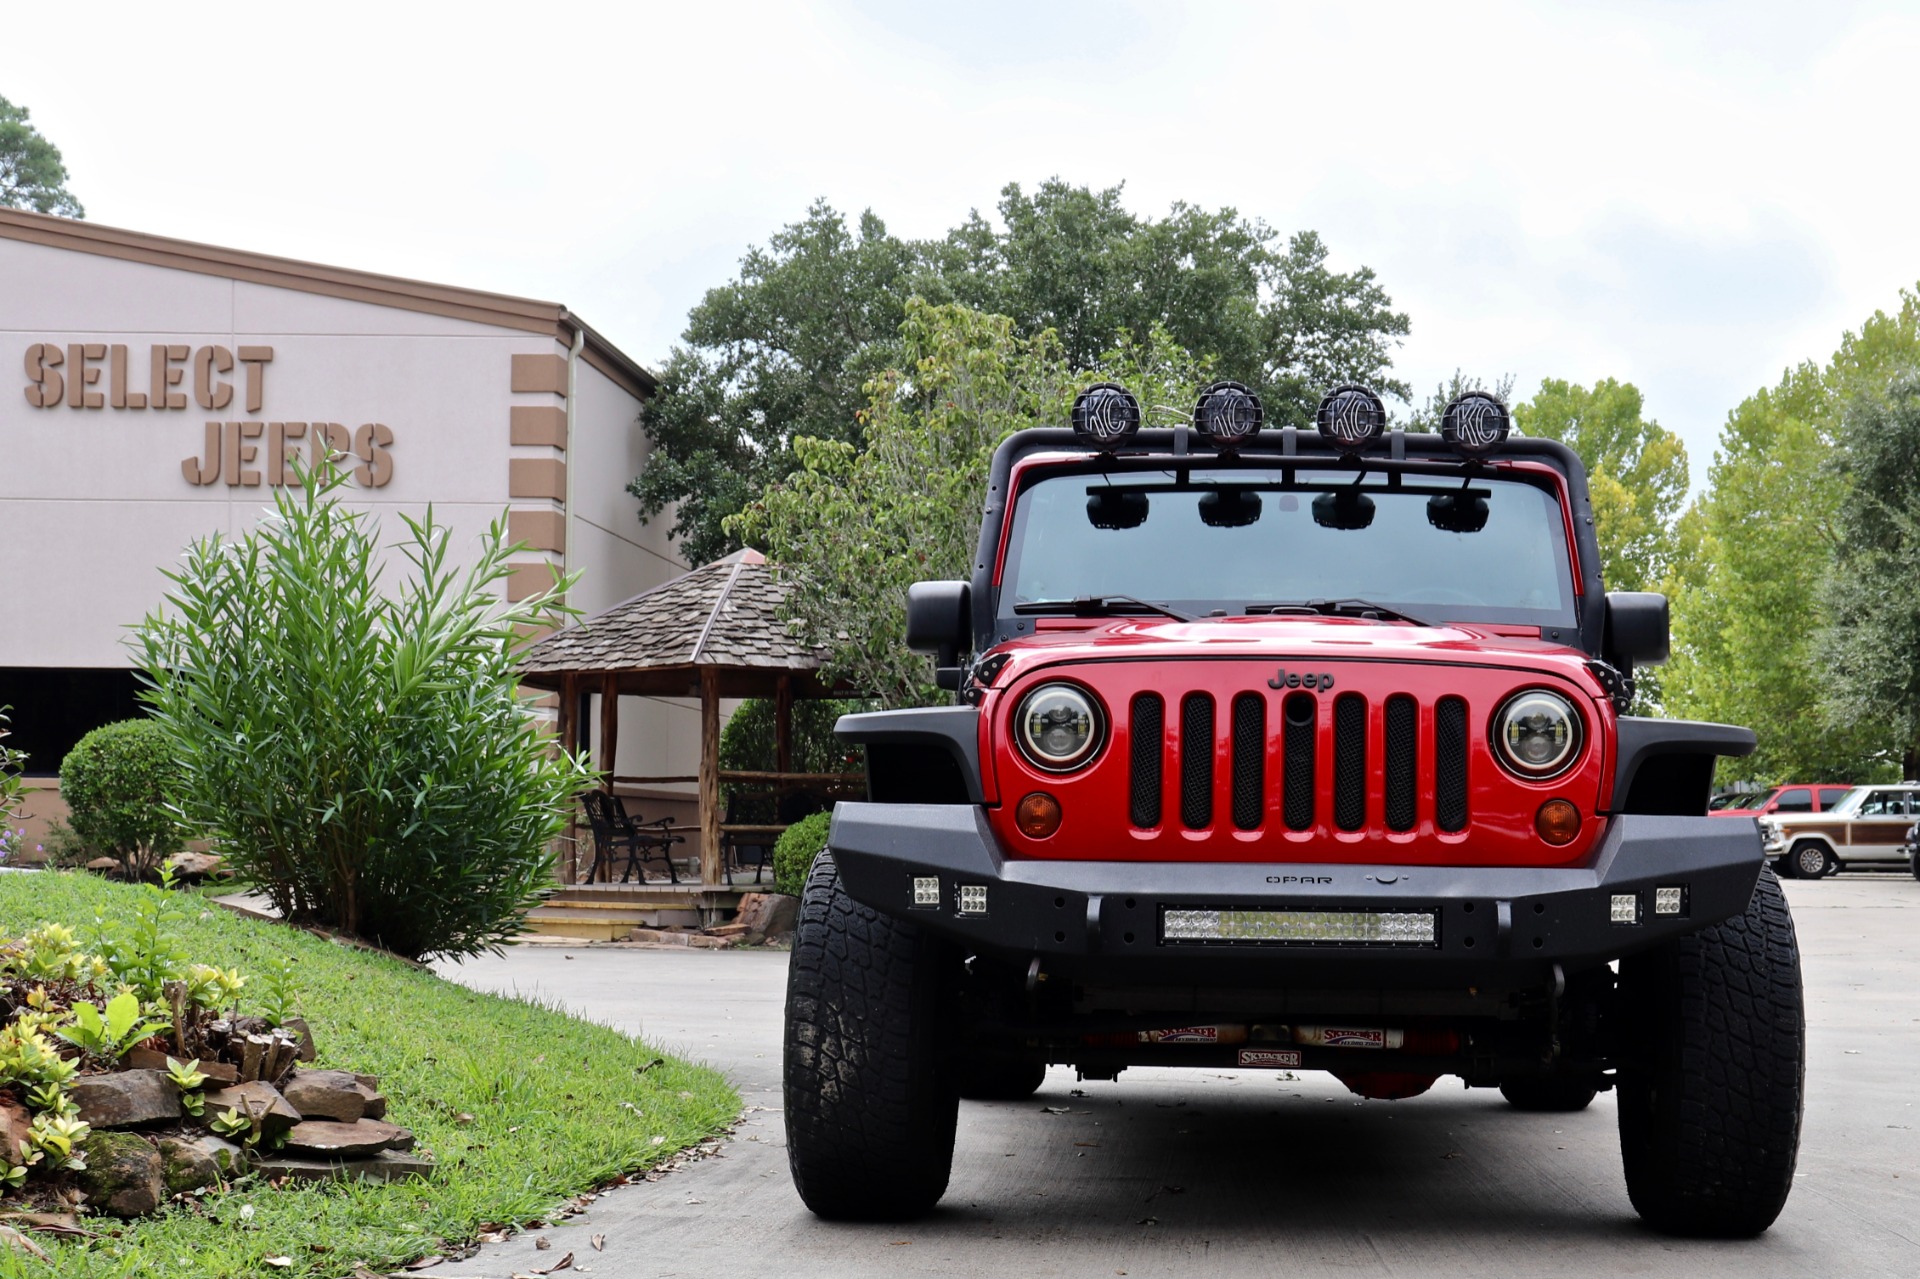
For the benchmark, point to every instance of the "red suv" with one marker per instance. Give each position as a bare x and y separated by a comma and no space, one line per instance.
1793,797
1293,750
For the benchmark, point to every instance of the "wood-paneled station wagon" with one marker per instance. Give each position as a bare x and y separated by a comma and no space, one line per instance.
1282,750
1867,828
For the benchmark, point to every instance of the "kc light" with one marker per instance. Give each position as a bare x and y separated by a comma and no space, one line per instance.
1474,422
1228,414
1351,417
1105,415
1058,728
1537,734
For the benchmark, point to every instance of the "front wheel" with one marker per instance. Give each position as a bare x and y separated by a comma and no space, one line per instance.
1812,859
1711,1093
870,1111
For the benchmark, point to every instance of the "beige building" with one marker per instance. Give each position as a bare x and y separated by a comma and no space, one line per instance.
160,390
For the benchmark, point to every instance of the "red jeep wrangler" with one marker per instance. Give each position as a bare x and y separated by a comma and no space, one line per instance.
1293,749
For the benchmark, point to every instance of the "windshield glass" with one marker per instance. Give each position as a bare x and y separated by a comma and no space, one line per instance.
1494,550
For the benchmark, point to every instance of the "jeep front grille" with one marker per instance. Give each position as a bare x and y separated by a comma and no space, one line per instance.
1377,750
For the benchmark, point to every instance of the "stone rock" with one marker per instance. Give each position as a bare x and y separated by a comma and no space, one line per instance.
14,1125
192,1162
217,1072
298,1025
327,1094
251,1098
124,1174
104,865
193,867
325,1138
404,1141
700,941
385,1166
770,915
125,1099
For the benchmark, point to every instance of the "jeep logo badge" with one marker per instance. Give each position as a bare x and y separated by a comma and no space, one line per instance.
1282,679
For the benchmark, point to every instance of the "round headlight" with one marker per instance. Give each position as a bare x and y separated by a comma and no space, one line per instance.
1537,733
1058,727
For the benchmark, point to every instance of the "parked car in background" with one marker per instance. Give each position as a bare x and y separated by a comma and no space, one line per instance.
1789,797
1869,827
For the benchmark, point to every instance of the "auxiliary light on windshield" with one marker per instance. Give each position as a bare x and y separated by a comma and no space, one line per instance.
1474,422
1228,414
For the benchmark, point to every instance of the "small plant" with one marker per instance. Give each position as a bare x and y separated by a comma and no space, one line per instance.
106,1036
795,850
234,1126
148,955
27,1058
52,1099
121,782
212,987
57,1136
189,1079
279,996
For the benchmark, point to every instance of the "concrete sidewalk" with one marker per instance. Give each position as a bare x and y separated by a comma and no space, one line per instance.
1172,1172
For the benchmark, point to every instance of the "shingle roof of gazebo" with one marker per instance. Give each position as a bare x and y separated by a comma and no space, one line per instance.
725,614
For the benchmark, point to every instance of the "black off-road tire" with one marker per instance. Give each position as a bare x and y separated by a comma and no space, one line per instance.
1557,1095
998,1079
870,1111
1713,1083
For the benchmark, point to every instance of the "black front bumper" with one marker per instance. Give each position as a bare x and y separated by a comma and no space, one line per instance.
1102,921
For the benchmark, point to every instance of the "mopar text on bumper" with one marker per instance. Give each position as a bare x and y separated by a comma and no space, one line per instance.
937,866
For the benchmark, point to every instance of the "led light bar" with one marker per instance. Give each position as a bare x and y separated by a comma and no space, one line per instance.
1670,901
973,899
1626,908
1303,927
926,890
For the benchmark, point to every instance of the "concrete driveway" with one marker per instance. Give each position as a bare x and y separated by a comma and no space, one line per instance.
1173,1172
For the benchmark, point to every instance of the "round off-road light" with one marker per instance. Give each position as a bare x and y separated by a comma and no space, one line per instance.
1536,734
1038,815
1474,422
1350,418
1058,727
1105,415
1557,822
1228,414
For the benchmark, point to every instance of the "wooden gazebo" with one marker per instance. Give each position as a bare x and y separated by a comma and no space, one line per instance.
711,634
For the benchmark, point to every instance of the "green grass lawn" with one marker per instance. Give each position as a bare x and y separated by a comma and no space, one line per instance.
557,1106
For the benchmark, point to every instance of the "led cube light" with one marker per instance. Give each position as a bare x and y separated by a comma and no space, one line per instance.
1626,908
926,890
973,899
1669,901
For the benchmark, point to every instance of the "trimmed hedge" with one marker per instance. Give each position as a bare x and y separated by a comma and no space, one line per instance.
121,782
794,851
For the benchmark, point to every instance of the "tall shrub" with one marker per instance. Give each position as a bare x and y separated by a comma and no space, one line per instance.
362,754
121,782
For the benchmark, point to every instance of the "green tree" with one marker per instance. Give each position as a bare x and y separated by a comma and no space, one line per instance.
787,349
120,783
853,528
1636,473
1871,644
32,175
361,754
1754,552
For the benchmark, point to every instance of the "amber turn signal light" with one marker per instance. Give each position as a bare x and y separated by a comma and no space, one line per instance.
1038,815
1557,822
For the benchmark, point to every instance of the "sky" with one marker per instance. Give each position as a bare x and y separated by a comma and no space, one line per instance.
1688,196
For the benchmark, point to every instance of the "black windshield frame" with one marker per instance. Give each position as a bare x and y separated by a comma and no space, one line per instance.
1570,620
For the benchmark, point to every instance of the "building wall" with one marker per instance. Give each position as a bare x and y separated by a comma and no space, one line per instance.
98,497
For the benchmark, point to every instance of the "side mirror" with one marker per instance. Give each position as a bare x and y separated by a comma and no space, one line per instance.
940,622
1638,630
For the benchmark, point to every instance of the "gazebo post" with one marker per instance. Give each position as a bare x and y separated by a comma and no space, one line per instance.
783,724
569,727
609,733
710,860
